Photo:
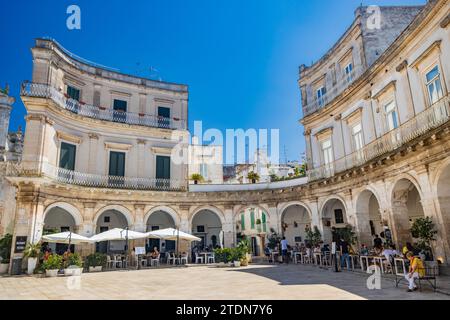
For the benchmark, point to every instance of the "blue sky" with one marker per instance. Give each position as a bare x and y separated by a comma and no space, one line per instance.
239,58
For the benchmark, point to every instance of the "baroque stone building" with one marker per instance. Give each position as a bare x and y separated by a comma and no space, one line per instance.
98,150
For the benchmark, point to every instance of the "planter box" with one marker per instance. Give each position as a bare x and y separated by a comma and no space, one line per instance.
95,269
31,265
51,273
73,271
237,264
4,268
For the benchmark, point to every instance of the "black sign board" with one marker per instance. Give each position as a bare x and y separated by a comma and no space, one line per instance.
21,242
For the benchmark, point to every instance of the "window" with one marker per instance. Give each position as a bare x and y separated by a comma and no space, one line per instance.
201,229
162,167
252,219
321,96
163,117
391,116
73,93
348,72
107,219
117,164
338,216
327,152
434,85
357,137
120,109
67,156
204,170
264,222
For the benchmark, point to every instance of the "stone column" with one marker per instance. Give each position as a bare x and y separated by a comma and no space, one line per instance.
274,219
399,219
185,226
228,227
87,229
139,224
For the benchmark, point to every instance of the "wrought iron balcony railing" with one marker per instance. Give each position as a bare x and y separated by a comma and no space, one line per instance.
343,83
431,118
107,114
91,180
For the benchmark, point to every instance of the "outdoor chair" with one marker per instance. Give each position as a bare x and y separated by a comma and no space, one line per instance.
170,258
431,272
211,258
198,258
109,262
117,261
144,261
155,261
185,258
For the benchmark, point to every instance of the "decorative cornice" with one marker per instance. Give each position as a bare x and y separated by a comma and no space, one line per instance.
118,146
68,137
434,46
444,23
402,66
93,136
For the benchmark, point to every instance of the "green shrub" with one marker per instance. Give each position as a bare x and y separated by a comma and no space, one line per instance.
96,260
73,259
5,248
32,250
53,262
223,255
313,237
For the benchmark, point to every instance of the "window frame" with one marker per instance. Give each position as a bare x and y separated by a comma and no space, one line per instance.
426,83
58,155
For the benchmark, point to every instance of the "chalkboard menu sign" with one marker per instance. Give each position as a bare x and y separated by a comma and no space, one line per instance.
21,242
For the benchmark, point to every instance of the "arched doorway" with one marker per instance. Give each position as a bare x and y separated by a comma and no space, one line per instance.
159,220
295,219
333,215
443,193
406,208
58,220
206,225
107,220
251,223
369,220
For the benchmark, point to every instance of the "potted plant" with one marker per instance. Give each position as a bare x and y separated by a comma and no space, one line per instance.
73,265
424,230
5,253
313,237
237,255
52,265
32,252
196,177
244,250
95,262
253,176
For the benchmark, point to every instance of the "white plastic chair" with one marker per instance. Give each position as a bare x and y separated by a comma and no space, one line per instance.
211,258
170,258
155,261
198,258
185,258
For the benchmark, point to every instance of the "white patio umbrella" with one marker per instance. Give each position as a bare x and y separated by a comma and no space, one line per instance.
172,234
118,234
66,238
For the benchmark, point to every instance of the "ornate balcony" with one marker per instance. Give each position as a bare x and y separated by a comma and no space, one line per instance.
343,83
427,120
64,176
107,114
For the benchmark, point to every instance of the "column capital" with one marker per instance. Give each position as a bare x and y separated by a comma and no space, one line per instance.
139,206
89,205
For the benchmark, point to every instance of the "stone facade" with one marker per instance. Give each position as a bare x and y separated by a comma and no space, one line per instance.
389,180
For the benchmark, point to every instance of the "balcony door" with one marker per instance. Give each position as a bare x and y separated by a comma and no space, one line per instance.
162,171
120,111
163,117
67,156
116,168
73,95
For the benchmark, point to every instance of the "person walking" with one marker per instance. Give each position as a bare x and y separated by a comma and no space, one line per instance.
284,250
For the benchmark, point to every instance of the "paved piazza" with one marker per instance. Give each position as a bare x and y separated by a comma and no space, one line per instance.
264,282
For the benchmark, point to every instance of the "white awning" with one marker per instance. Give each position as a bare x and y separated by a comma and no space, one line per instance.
172,234
118,234
66,237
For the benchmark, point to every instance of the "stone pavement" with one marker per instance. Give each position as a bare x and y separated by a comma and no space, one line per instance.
266,282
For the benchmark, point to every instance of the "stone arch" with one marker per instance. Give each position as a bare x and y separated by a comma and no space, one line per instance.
405,176
332,209
368,216
123,210
212,220
170,211
405,198
214,209
295,218
74,212
238,210
441,186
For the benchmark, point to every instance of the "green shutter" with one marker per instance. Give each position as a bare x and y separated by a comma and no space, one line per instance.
117,164
242,222
67,156
162,167
264,222
252,219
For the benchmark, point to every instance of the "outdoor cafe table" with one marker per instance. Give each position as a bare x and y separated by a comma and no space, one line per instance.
205,254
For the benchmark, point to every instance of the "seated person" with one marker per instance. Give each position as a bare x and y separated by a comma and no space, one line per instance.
364,251
378,251
155,253
416,270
